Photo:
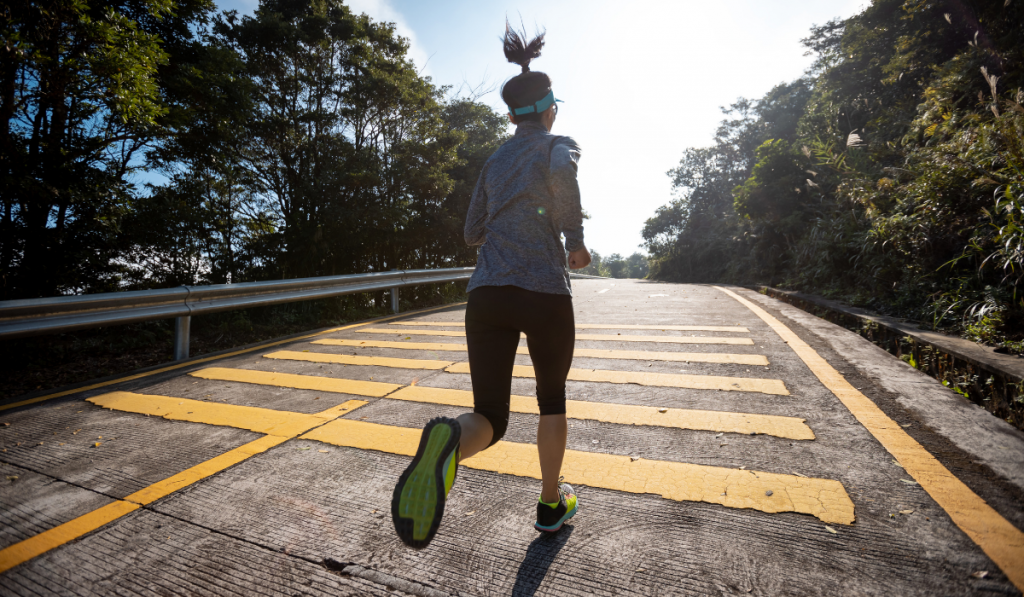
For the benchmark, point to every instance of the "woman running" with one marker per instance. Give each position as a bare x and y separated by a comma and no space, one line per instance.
526,199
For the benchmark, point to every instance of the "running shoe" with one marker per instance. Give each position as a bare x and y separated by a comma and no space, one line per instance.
418,502
550,517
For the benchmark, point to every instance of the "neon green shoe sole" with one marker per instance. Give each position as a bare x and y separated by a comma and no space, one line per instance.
417,505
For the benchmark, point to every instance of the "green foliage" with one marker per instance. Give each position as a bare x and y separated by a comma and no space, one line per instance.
614,266
772,193
80,97
300,141
899,185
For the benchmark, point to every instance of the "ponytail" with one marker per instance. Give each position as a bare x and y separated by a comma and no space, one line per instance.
529,86
517,50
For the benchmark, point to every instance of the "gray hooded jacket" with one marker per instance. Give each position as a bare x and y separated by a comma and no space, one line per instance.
526,198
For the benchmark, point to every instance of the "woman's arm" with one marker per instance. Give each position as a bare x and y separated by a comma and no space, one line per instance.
475,232
565,157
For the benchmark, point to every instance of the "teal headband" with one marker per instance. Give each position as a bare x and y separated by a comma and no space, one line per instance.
538,107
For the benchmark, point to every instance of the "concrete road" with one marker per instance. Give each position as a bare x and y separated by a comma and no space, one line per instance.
721,443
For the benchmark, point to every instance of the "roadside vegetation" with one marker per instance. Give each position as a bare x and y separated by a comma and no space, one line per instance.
615,266
891,176
155,143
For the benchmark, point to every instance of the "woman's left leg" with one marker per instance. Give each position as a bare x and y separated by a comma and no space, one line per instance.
551,336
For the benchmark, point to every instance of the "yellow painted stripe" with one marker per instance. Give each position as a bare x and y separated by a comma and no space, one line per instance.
403,345
345,359
190,363
261,420
996,536
43,542
605,326
599,337
678,357
627,414
595,353
668,380
374,389
24,551
241,417
672,328
205,469
824,498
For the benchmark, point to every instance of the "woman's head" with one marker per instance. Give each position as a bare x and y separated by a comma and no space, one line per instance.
529,87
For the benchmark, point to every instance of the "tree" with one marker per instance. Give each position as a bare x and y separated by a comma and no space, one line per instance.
80,98
347,144
890,175
637,265
438,237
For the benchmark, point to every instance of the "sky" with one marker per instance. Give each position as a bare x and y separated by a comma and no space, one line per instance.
641,80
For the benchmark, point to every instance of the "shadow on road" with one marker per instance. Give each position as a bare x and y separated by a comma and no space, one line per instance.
539,556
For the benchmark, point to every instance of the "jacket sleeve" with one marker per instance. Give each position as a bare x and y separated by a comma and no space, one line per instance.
475,233
565,157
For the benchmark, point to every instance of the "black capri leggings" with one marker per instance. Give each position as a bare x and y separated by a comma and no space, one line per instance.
494,318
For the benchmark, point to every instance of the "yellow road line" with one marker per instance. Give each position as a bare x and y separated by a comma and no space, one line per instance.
375,389
996,536
218,415
668,380
824,498
203,470
24,551
346,359
595,353
605,326
190,363
627,414
601,337
261,420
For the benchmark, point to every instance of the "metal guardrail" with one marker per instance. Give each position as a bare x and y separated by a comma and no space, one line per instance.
588,277
34,317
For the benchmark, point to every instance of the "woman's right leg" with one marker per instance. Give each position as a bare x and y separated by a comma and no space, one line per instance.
417,504
476,434
492,339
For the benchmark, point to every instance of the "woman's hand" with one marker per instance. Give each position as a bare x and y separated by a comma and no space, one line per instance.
579,259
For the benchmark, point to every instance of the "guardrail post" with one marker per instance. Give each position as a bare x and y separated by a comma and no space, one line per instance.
181,331
394,295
